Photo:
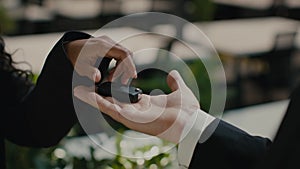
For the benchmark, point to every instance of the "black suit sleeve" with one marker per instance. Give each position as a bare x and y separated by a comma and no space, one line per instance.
46,114
284,151
228,148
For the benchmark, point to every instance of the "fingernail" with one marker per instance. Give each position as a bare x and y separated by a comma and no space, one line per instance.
76,92
96,77
135,74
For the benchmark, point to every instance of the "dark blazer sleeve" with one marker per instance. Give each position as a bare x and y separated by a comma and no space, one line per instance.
228,148
284,151
46,113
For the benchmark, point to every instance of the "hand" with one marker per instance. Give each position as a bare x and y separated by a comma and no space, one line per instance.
164,115
84,53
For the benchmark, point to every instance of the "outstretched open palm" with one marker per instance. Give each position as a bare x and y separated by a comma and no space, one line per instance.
162,115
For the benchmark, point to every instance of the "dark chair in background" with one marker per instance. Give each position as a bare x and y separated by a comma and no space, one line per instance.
279,60
276,81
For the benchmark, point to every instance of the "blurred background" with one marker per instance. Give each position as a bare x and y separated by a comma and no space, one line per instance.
257,41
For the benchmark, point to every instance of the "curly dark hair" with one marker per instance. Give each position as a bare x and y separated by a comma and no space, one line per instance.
7,63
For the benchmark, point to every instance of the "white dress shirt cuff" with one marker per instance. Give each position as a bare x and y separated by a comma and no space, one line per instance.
191,135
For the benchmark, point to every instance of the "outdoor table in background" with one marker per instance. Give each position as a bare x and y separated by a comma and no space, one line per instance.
239,41
243,37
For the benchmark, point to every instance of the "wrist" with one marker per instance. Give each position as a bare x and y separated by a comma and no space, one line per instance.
191,135
179,122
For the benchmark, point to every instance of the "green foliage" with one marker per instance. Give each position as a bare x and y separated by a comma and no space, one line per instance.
203,10
203,83
28,158
7,24
34,78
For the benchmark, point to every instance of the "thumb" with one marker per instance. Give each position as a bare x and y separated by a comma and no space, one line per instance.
175,81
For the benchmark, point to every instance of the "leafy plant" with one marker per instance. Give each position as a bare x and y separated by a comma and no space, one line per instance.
7,24
202,10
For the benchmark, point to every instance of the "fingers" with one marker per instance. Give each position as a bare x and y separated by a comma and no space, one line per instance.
175,81
88,96
88,52
123,56
86,69
125,66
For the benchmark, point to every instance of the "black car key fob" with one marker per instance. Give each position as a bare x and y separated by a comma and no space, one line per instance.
122,93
